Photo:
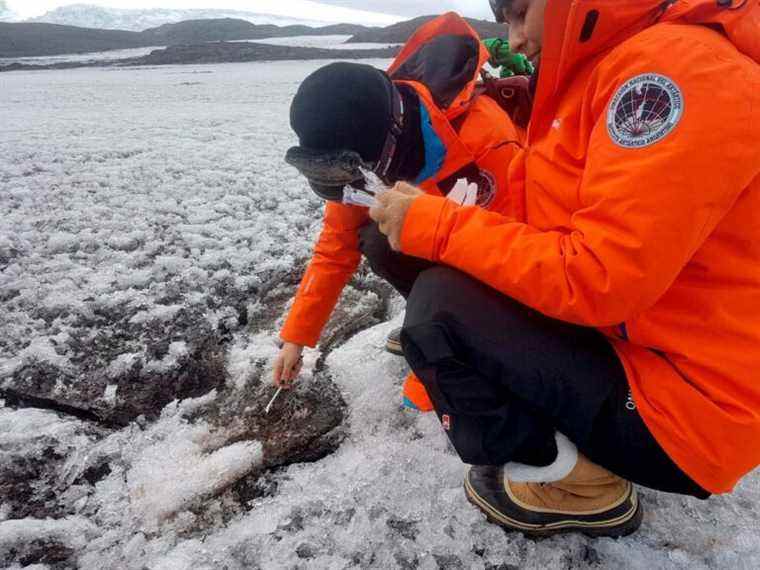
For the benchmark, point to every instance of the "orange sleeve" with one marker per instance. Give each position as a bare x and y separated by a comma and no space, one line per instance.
645,211
336,257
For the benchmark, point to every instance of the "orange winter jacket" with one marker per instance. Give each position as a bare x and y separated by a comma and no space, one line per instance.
641,183
470,136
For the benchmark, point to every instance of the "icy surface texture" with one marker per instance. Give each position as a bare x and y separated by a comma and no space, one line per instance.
150,241
391,497
148,215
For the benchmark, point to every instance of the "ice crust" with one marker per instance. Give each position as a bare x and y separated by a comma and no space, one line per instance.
119,187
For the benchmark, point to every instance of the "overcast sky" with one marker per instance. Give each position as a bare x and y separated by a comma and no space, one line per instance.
474,8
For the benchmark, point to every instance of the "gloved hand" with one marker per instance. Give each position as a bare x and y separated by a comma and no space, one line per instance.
502,57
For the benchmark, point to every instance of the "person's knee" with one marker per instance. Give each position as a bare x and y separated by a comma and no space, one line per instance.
435,294
445,283
438,278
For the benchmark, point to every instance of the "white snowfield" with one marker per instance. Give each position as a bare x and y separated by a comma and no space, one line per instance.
116,185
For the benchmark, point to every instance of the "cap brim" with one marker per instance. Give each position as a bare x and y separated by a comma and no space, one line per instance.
329,193
329,168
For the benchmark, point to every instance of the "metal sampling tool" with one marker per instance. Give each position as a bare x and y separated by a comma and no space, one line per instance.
272,401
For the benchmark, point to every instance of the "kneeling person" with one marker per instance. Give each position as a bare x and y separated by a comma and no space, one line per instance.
428,125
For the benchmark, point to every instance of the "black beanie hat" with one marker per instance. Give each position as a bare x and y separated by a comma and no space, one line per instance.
344,106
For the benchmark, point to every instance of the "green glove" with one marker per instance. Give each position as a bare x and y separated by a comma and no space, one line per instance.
502,57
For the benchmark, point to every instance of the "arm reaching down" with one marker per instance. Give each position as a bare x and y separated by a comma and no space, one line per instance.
336,257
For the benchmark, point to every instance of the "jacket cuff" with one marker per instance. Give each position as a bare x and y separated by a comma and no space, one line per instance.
291,332
420,231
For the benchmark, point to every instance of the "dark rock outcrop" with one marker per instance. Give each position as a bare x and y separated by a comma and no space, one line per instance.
401,32
31,40
41,39
31,466
304,425
120,369
230,29
241,52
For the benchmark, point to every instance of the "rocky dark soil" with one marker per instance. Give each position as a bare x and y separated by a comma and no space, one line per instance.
55,472
222,52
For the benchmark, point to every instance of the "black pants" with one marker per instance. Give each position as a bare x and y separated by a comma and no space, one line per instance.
506,377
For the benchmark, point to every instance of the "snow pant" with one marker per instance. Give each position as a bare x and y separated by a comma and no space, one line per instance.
503,378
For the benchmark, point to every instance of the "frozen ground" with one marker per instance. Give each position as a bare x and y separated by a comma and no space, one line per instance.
158,191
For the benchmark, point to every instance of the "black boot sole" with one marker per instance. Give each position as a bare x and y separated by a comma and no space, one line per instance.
618,527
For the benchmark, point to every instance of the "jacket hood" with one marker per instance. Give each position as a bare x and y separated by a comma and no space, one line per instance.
441,62
740,21
445,57
577,30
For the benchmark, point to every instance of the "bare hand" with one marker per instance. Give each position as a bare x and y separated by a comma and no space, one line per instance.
391,210
287,365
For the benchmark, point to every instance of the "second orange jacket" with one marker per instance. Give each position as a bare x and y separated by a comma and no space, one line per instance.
472,129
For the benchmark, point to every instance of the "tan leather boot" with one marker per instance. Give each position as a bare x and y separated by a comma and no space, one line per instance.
590,500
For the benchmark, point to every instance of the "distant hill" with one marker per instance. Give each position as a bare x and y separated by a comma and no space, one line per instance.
29,40
37,39
294,12
199,31
401,32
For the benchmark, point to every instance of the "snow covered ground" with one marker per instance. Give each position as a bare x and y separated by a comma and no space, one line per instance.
156,190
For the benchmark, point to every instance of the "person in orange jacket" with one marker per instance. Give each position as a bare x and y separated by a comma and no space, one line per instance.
608,333
427,124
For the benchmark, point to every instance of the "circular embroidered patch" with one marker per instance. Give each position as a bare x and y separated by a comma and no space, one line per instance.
486,188
644,110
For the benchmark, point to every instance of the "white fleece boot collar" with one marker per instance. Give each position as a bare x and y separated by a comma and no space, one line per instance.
567,457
